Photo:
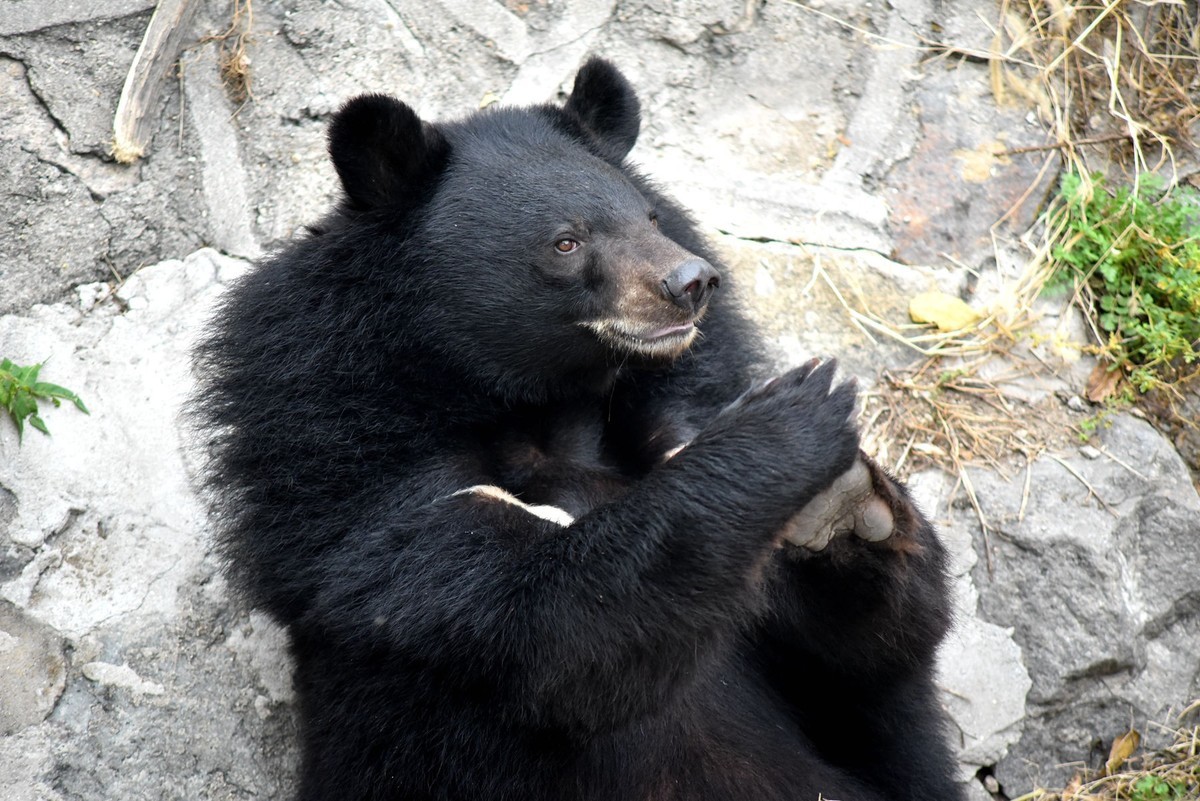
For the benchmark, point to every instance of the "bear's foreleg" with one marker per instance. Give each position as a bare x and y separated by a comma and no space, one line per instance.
585,624
859,604
861,576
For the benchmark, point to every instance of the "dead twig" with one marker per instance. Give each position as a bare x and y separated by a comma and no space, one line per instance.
233,59
1096,140
136,119
1091,490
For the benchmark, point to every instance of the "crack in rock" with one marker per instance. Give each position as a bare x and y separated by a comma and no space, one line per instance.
31,16
801,244
26,69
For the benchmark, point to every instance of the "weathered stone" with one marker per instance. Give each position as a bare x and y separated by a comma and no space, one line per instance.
34,671
960,180
559,50
882,130
499,27
13,556
121,676
27,16
169,692
781,123
1049,359
77,72
29,125
803,298
752,154
8,509
1093,568
222,175
39,254
1176,411
983,680
689,22
68,217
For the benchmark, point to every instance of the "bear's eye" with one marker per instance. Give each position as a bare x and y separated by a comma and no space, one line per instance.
566,246
654,219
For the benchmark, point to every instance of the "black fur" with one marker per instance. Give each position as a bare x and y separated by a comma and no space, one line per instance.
384,155
605,105
451,646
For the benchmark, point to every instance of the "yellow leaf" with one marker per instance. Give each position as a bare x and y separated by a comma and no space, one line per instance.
975,166
1122,748
947,312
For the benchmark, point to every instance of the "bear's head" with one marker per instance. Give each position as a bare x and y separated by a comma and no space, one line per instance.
521,248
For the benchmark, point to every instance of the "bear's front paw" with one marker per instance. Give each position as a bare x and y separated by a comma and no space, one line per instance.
850,505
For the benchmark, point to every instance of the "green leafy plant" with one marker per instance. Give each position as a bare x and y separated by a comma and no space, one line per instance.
20,392
1134,258
1155,788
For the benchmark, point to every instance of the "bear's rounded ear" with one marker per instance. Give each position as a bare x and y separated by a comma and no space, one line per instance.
383,153
604,102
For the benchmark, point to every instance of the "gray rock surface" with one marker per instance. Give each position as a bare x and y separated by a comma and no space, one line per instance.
124,670
820,148
68,213
983,677
35,671
31,16
1095,559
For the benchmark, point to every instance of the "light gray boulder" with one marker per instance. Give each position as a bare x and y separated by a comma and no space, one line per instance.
1096,569
125,671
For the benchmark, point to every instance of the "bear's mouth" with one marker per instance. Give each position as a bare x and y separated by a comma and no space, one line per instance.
686,329
655,341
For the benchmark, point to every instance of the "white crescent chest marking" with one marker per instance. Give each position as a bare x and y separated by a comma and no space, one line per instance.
552,513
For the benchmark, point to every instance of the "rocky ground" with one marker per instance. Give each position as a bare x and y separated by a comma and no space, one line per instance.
833,159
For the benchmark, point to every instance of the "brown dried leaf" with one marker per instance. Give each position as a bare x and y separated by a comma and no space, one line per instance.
1122,748
1102,383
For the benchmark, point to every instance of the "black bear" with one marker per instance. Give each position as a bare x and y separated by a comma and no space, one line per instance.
491,442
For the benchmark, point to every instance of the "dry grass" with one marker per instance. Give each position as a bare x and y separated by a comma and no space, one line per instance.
945,417
1115,79
234,59
941,410
928,415
1116,82
1117,85
1172,774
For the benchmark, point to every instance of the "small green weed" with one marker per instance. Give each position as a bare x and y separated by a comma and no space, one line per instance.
1156,788
1135,257
1103,418
20,392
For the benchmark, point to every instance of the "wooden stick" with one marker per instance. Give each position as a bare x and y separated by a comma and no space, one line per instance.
134,124
1097,140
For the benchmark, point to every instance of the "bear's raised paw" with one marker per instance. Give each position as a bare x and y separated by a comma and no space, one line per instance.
852,504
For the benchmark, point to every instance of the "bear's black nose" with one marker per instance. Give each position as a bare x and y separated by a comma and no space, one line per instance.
690,284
